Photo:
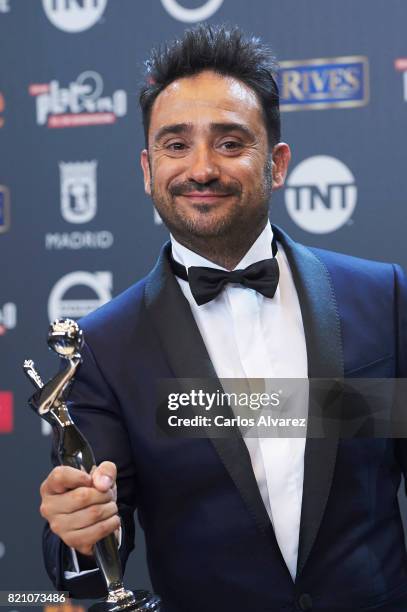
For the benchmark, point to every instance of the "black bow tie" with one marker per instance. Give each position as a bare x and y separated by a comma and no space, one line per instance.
207,283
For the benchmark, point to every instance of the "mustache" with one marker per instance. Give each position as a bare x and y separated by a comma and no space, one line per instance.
214,187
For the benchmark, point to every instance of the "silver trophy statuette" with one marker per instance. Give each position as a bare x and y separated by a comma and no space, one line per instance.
49,401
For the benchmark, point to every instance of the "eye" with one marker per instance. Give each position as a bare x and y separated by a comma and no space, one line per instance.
231,145
176,146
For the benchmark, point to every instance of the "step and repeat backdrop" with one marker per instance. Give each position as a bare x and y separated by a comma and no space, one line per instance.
76,228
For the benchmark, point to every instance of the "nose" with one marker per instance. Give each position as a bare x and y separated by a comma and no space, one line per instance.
203,166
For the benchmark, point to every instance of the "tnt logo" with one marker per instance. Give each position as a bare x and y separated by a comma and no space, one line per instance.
321,194
74,15
6,412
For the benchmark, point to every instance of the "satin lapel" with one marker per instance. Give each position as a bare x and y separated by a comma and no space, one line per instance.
325,360
188,358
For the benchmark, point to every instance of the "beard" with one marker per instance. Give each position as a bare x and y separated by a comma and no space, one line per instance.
204,222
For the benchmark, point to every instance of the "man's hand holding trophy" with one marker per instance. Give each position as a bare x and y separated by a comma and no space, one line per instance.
78,498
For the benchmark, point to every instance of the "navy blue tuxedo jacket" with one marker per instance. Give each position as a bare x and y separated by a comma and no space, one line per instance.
210,543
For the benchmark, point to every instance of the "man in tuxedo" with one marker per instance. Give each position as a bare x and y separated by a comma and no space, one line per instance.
234,523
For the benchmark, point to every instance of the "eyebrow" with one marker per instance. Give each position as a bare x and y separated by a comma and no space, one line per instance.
222,128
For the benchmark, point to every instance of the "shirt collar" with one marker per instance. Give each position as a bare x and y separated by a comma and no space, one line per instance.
260,249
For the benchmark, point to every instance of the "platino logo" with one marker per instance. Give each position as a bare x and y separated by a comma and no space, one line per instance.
339,82
321,194
78,191
191,15
401,65
74,15
100,283
79,104
2,108
6,412
8,317
4,209
4,6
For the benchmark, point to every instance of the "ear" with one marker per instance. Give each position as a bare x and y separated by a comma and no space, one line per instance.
281,157
145,165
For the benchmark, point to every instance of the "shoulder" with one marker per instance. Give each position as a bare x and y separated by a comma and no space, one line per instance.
340,263
345,271
361,276
117,320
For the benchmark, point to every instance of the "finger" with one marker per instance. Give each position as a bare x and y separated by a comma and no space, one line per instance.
104,476
64,523
83,540
63,478
72,501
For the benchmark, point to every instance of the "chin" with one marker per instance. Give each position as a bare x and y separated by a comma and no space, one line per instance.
207,227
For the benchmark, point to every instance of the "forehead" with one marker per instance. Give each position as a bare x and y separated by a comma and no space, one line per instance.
204,98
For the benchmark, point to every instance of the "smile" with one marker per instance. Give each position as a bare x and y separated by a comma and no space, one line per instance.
205,197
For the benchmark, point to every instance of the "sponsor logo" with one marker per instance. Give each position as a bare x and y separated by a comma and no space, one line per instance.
79,240
191,15
4,6
78,205
2,109
6,412
78,191
80,104
60,306
401,66
4,209
321,194
339,82
74,15
8,317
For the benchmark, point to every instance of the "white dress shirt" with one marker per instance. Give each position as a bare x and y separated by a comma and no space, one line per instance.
250,336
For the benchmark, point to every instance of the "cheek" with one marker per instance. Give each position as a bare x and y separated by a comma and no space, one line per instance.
249,172
166,171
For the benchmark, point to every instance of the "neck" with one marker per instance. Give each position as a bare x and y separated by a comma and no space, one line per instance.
225,251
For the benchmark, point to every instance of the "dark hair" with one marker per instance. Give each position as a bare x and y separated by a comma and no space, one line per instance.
221,49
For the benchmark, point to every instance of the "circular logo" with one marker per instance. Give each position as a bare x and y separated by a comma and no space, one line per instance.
72,16
2,550
320,194
100,283
191,15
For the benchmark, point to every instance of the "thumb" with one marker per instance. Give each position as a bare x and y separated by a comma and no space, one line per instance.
104,476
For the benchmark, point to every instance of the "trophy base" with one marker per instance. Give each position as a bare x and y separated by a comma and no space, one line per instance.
142,601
